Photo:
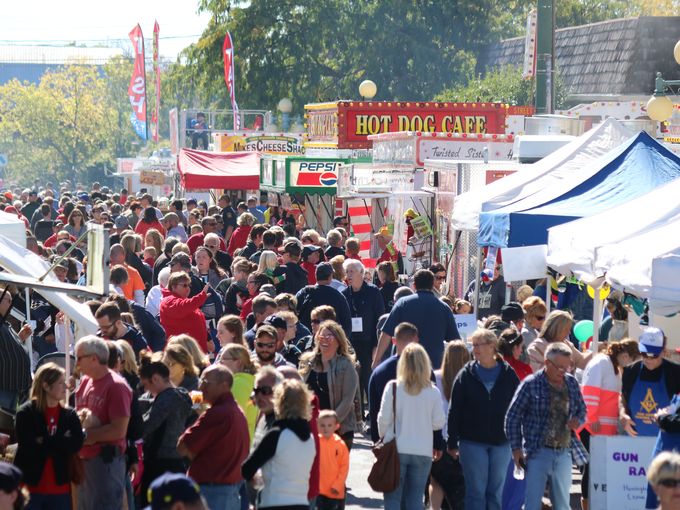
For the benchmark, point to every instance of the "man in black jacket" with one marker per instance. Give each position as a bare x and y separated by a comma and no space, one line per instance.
112,327
322,293
164,258
254,242
294,277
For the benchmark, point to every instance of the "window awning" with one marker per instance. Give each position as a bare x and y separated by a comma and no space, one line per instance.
219,170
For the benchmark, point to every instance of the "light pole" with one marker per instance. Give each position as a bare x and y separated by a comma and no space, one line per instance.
659,106
285,106
368,89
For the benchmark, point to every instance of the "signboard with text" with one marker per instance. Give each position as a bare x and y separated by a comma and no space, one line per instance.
282,144
291,175
347,124
618,471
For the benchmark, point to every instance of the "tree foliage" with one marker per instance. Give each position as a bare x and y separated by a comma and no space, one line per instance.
74,122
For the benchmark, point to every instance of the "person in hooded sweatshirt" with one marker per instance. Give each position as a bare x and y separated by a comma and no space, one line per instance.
286,452
164,422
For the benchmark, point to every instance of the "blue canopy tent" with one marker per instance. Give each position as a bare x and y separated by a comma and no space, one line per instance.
634,168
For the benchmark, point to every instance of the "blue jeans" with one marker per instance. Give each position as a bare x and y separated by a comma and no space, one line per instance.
484,468
541,465
222,497
49,502
414,470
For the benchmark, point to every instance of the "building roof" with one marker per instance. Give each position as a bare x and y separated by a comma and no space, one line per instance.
615,57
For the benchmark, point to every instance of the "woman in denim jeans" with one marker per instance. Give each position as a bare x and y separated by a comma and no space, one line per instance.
418,410
481,394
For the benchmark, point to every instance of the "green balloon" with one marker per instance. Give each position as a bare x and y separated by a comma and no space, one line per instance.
583,330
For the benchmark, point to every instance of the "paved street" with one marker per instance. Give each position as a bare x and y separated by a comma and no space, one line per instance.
360,495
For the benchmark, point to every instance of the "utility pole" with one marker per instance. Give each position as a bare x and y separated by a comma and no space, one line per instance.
545,56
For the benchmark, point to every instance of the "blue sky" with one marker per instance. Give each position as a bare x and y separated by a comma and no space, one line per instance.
97,21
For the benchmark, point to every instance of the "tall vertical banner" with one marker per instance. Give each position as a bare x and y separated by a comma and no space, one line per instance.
137,87
228,54
157,77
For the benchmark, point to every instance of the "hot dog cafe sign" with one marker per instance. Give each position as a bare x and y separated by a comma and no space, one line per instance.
347,124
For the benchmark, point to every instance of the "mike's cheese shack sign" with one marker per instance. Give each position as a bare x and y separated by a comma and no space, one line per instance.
347,124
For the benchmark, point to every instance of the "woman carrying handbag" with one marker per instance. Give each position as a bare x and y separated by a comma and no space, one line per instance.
417,409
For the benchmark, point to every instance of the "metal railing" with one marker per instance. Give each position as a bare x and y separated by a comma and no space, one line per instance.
198,135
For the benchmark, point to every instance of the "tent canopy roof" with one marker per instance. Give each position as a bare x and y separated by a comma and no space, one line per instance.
625,173
219,170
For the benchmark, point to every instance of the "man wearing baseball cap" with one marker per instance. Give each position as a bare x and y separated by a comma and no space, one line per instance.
290,276
648,385
175,491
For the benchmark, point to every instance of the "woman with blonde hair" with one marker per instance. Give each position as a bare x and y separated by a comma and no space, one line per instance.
183,372
456,355
268,262
411,406
49,434
153,238
330,372
556,328
201,361
535,313
481,394
240,236
286,453
664,477
230,330
236,358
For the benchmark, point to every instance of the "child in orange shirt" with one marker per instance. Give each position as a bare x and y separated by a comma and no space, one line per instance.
333,463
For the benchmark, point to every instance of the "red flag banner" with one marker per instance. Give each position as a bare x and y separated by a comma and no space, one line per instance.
228,54
157,76
137,87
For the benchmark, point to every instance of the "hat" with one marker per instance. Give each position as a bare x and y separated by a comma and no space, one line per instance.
512,312
182,259
58,223
651,341
8,195
10,477
122,222
324,271
252,197
384,231
32,192
63,263
309,249
84,197
276,321
410,213
172,488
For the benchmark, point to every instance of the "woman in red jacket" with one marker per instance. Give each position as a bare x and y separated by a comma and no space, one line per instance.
239,238
148,222
181,314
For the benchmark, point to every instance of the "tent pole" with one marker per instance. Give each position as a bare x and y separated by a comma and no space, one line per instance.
67,353
548,293
478,280
29,340
597,313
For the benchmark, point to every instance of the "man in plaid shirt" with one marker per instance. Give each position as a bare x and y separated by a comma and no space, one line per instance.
546,410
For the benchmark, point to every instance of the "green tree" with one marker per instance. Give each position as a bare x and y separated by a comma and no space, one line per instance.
504,85
311,50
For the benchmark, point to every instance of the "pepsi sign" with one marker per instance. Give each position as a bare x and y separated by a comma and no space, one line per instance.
314,174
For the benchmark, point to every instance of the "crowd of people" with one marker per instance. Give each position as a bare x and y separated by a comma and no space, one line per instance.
239,354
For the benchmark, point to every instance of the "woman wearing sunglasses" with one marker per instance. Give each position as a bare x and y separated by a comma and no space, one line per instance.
535,312
664,477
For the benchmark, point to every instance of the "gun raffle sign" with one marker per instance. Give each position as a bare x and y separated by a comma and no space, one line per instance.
347,124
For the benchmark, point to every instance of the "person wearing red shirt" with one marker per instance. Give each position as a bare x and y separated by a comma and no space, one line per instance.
48,435
311,256
103,401
52,241
510,346
239,238
180,314
147,222
217,444
209,226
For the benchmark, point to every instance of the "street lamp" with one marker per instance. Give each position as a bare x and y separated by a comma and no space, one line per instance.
659,106
368,89
285,106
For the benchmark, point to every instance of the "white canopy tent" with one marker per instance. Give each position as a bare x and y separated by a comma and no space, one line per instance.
572,246
547,173
13,228
664,297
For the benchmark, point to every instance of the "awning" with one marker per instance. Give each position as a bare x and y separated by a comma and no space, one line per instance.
219,170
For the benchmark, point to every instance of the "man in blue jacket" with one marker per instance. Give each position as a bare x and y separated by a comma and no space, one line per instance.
323,294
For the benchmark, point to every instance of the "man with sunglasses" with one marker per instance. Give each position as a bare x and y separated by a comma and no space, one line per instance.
265,353
540,424
209,226
266,379
647,385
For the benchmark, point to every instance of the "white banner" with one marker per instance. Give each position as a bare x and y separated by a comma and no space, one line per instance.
618,471
466,324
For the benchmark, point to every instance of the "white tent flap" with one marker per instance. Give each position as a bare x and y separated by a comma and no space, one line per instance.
664,298
524,263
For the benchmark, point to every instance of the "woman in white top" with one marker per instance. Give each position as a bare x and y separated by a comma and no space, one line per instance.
418,410
556,329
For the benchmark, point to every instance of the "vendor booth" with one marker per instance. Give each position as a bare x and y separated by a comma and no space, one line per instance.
307,185
203,172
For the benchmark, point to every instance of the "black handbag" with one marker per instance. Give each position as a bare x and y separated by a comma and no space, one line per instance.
385,472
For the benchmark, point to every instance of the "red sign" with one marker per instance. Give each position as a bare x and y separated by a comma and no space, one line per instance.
137,87
347,124
157,76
